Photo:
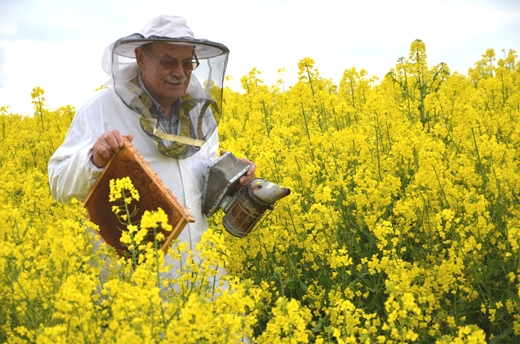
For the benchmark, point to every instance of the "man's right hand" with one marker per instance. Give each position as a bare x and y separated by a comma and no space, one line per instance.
107,145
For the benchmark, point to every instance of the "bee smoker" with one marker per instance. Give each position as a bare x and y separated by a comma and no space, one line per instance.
244,207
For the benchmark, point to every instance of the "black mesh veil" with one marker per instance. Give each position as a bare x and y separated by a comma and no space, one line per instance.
200,107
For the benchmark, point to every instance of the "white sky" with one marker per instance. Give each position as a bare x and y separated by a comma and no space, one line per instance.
58,44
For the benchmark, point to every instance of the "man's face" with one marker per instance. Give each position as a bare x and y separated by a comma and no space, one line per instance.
165,84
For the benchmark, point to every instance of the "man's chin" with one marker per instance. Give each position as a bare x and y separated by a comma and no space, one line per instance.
175,95
177,90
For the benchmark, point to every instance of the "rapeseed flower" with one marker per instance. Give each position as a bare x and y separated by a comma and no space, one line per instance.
402,223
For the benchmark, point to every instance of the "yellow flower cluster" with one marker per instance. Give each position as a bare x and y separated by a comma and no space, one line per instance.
120,187
403,214
59,285
401,227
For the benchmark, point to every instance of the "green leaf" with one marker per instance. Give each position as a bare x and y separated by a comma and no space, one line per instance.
501,336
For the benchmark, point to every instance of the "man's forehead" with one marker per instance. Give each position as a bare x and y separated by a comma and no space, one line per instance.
172,49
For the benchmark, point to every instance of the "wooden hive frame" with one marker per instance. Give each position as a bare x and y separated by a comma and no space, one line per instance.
152,191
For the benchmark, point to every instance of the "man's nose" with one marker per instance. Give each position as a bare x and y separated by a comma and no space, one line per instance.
178,70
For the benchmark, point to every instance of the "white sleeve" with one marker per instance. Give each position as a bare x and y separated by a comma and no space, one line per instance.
209,151
212,147
71,171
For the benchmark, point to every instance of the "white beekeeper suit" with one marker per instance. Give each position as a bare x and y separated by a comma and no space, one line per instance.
180,158
72,173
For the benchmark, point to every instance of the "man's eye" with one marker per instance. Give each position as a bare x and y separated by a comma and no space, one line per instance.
170,64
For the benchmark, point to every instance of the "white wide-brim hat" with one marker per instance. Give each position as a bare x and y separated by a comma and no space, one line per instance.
169,29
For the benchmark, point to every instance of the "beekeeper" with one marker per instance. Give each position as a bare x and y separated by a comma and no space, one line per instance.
164,94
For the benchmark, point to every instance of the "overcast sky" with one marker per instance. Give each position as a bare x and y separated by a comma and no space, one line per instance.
58,44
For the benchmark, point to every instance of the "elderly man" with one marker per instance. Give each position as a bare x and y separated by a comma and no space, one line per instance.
156,98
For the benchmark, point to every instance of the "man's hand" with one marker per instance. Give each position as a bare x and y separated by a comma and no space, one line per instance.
107,145
250,174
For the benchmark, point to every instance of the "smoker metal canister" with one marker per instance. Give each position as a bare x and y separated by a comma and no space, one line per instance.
244,213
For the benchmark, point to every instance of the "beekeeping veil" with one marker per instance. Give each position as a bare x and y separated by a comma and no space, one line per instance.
200,106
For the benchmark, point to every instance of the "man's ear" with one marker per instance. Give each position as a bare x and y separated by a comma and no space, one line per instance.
139,57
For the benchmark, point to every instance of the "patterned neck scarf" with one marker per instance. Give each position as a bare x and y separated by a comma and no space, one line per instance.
168,124
182,139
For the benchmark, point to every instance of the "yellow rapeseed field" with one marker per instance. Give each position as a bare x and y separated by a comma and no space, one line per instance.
403,223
